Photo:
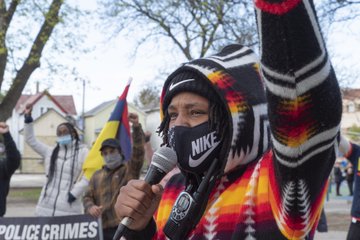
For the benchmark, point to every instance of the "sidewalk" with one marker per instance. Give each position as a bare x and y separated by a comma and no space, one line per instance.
337,209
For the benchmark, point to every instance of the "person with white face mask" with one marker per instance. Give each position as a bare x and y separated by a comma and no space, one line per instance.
104,186
61,194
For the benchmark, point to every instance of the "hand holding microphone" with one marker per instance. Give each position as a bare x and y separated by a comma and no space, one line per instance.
139,199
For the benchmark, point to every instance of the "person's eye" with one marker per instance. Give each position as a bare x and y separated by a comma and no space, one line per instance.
197,112
173,115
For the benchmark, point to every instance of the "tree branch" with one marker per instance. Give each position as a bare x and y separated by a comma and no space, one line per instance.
33,60
11,11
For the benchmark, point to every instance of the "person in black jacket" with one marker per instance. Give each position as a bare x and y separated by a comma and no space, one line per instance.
338,175
9,162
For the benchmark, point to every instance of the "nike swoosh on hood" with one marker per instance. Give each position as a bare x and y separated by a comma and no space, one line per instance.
173,85
197,162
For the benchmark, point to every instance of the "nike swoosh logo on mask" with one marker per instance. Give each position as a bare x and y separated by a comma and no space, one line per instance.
197,162
172,85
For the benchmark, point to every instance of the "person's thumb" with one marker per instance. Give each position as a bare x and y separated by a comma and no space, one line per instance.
158,191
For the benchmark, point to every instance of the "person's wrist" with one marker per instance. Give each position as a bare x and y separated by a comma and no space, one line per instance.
28,118
71,198
6,134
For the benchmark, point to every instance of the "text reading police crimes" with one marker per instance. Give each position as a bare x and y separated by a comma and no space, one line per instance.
79,230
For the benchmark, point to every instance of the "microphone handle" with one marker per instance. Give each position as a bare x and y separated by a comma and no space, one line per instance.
122,228
153,176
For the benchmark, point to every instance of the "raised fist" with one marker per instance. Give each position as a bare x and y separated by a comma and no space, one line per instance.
134,118
28,109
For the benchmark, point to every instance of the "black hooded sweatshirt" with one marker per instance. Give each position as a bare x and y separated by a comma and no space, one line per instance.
8,165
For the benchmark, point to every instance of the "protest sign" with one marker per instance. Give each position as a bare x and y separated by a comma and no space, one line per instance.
79,227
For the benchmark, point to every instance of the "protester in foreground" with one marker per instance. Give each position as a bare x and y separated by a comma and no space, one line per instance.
104,186
64,187
9,161
351,152
254,165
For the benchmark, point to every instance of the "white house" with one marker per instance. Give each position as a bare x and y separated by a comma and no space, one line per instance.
96,118
41,103
351,108
152,123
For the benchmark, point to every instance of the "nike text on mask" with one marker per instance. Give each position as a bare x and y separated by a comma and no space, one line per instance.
113,160
64,140
196,147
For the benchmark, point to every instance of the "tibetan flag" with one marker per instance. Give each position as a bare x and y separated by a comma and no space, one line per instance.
116,127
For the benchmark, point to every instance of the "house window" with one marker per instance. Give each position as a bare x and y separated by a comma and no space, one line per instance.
351,107
43,110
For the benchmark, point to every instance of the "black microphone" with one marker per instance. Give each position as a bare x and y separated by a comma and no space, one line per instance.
163,161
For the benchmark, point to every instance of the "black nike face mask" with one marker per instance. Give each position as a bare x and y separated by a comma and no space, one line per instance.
196,147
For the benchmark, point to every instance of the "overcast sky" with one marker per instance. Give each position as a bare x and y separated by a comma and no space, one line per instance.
109,67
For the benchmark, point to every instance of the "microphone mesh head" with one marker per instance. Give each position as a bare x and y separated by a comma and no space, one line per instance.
164,158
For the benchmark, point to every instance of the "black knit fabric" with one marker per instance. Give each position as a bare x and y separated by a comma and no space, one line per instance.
7,169
188,81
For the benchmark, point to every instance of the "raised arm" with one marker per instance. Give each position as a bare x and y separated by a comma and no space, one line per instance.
13,156
304,109
29,135
138,151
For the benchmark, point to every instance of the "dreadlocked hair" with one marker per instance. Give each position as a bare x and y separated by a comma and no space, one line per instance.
55,153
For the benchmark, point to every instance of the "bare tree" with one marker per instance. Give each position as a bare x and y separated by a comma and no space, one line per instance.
198,27
25,30
338,10
148,97
195,27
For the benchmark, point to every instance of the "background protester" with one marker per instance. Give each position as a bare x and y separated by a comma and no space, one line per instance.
104,186
9,161
148,149
351,152
64,187
256,164
350,177
338,176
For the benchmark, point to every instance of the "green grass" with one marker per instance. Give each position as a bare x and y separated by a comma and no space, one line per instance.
26,194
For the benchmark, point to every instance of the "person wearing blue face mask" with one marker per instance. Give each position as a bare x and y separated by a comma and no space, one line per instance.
62,192
104,186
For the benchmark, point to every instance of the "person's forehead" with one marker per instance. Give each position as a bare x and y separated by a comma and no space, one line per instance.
188,98
108,149
62,127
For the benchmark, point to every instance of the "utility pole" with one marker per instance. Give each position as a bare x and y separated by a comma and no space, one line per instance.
83,107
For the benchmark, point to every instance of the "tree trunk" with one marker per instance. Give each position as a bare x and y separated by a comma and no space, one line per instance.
32,62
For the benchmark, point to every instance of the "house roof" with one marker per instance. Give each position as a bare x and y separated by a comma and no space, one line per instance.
98,108
50,111
64,102
351,93
150,110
